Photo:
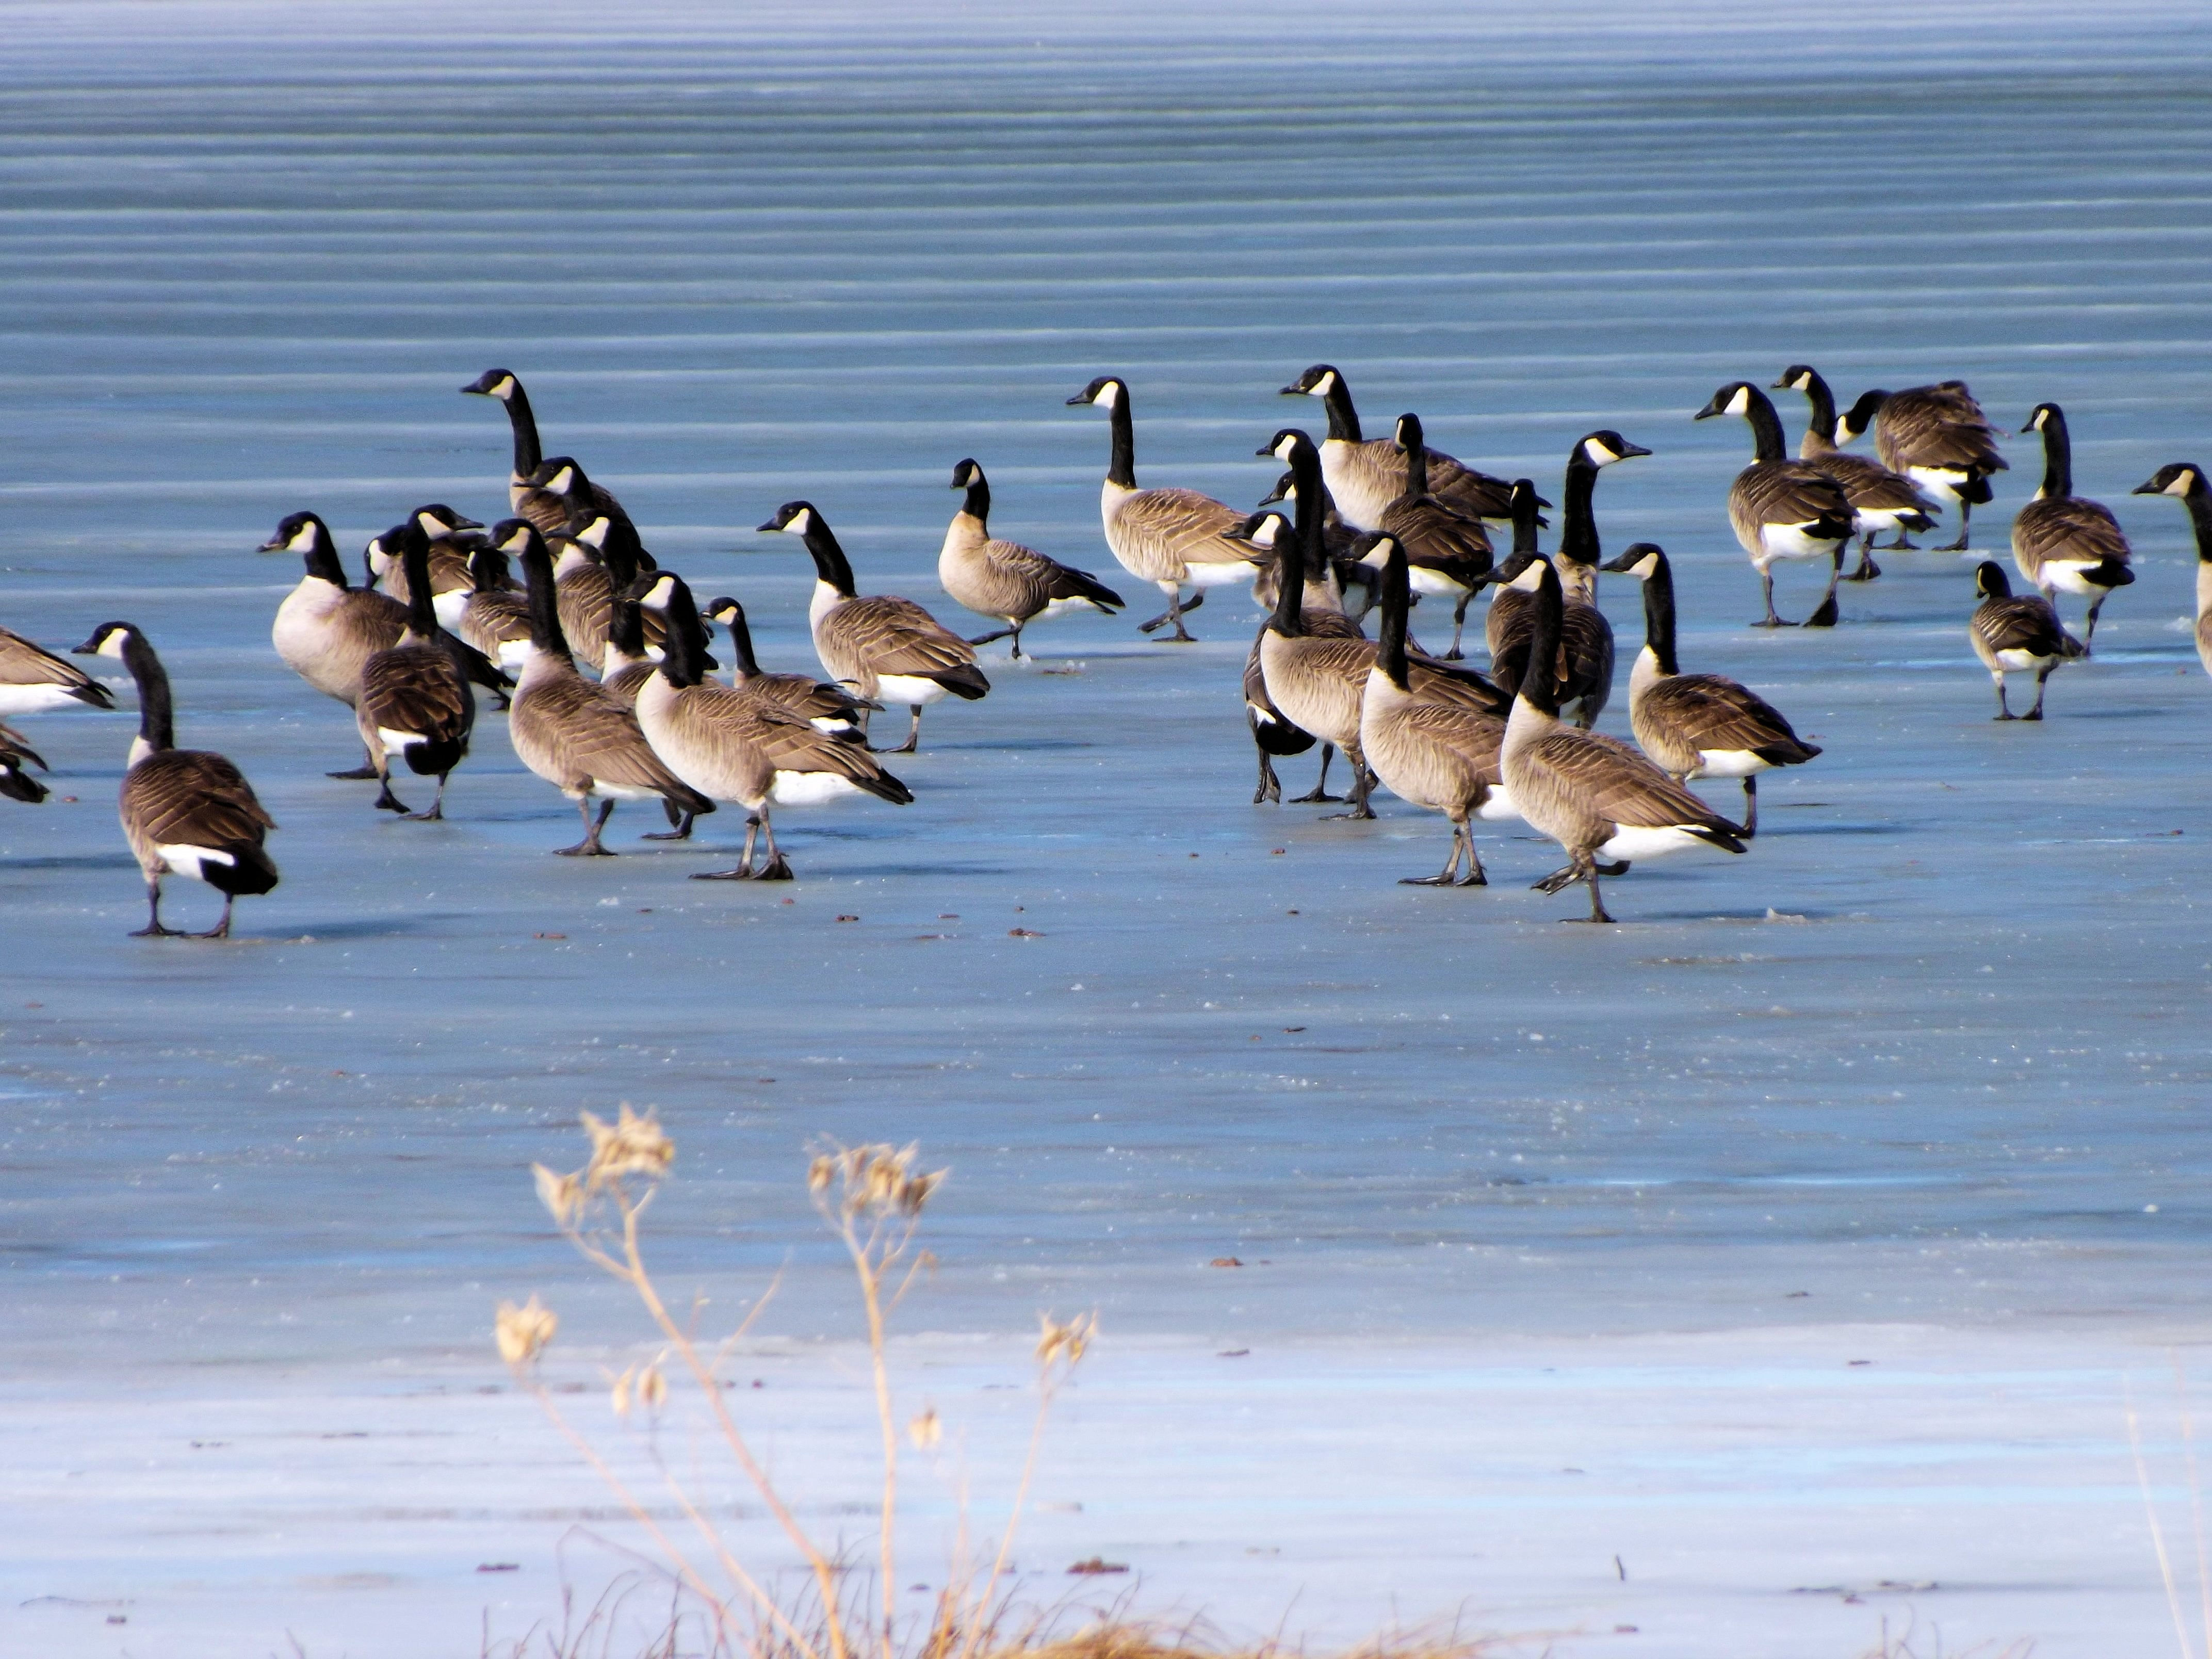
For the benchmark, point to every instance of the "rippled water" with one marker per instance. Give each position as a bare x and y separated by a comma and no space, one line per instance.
249,258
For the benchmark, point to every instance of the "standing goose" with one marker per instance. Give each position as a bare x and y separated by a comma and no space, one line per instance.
1440,756
2017,634
501,384
1580,550
326,630
886,649
1880,500
829,708
184,812
1322,611
732,743
34,680
1596,797
1937,436
1780,508
2063,542
414,700
1357,583
1506,621
1446,552
495,617
1366,476
1171,538
2185,482
453,538
1015,584
15,782
1698,726
577,735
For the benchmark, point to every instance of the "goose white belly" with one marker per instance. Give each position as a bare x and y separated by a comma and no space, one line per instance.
1872,520
185,860
1498,807
2069,575
1629,842
1360,495
909,688
1059,608
513,654
1950,480
1434,583
1728,763
607,791
395,741
2020,662
1216,575
811,789
449,607
35,699
1793,541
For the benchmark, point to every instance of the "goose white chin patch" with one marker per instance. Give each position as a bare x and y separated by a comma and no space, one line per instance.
1740,403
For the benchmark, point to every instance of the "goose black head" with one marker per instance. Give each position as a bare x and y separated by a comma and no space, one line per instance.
1734,398
1639,561
793,518
1524,572
1989,580
2182,479
1316,382
1525,500
297,533
1859,415
498,383
1262,529
2043,416
1106,391
1604,448
651,590
1408,432
107,639
723,609
1285,444
515,537
558,475
1796,378
438,520
965,472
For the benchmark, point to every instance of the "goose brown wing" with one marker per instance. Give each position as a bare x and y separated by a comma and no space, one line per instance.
594,734
1048,578
1622,786
416,688
1166,527
1711,711
898,636
1792,492
1456,686
1437,538
1870,486
793,745
2071,529
809,698
1936,426
22,663
1460,487
194,798
1348,659
1472,733
493,619
2024,621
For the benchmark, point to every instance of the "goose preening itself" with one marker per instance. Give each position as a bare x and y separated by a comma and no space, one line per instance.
500,384
1880,500
1780,508
888,650
1441,756
34,679
2185,483
1274,734
829,707
184,812
1594,796
579,737
1698,726
1172,539
1006,581
1937,436
1446,552
415,702
1364,476
2017,634
2065,543
733,743
326,630
15,782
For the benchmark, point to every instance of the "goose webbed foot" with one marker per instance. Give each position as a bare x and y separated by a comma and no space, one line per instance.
154,930
1475,878
221,929
584,849
2034,714
1444,880
1826,615
778,869
1453,655
1771,621
388,802
1903,543
357,774
1315,796
681,832
1867,569
1959,546
997,634
1558,881
743,872
1271,786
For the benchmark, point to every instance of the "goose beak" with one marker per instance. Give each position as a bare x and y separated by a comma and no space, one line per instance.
2148,487
1294,392
1077,401
1628,451
1266,451
462,521
769,528
1708,411
277,545
1619,566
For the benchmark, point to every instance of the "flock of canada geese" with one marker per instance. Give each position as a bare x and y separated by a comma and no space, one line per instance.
1354,524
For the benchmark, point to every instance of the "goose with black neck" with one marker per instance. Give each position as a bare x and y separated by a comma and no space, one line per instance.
1780,508
2185,481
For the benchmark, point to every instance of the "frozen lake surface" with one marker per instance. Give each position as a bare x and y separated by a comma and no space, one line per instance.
1536,1203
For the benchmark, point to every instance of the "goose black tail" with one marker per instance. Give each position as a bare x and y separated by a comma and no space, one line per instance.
254,871
965,681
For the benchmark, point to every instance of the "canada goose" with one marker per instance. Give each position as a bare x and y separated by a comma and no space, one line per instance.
1698,726
1015,584
886,649
184,812
453,539
2015,635
1172,539
1506,621
1440,756
1323,616
577,735
1365,477
598,561
495,617
1594,796
326,630
1880,500
1580,550
1780,508
15,782
1356,583
501,384
1446,552
34,680
2064,542
732,743
1937,436
829,706
414,700
2187,483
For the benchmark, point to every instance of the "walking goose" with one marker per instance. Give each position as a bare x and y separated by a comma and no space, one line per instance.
2185,482
1322,611
184,812
732,743
1366,476
2063,542
415,702
2017,634
34,679
1448,553
1015,584
326,630
501,384
1443,756
829,708
15,782
1172,539
887,650
1780,508
1880,500
1937,436
1594,796
577,735
1698,726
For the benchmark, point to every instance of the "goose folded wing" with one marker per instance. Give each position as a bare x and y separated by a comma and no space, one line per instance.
1715,713
2069,528
1794,492
1449,683
1182,525
415,690
898,636
1468,732
1872,486
1459,486
2024,622
192,798
1620,785
1437,538
22,663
